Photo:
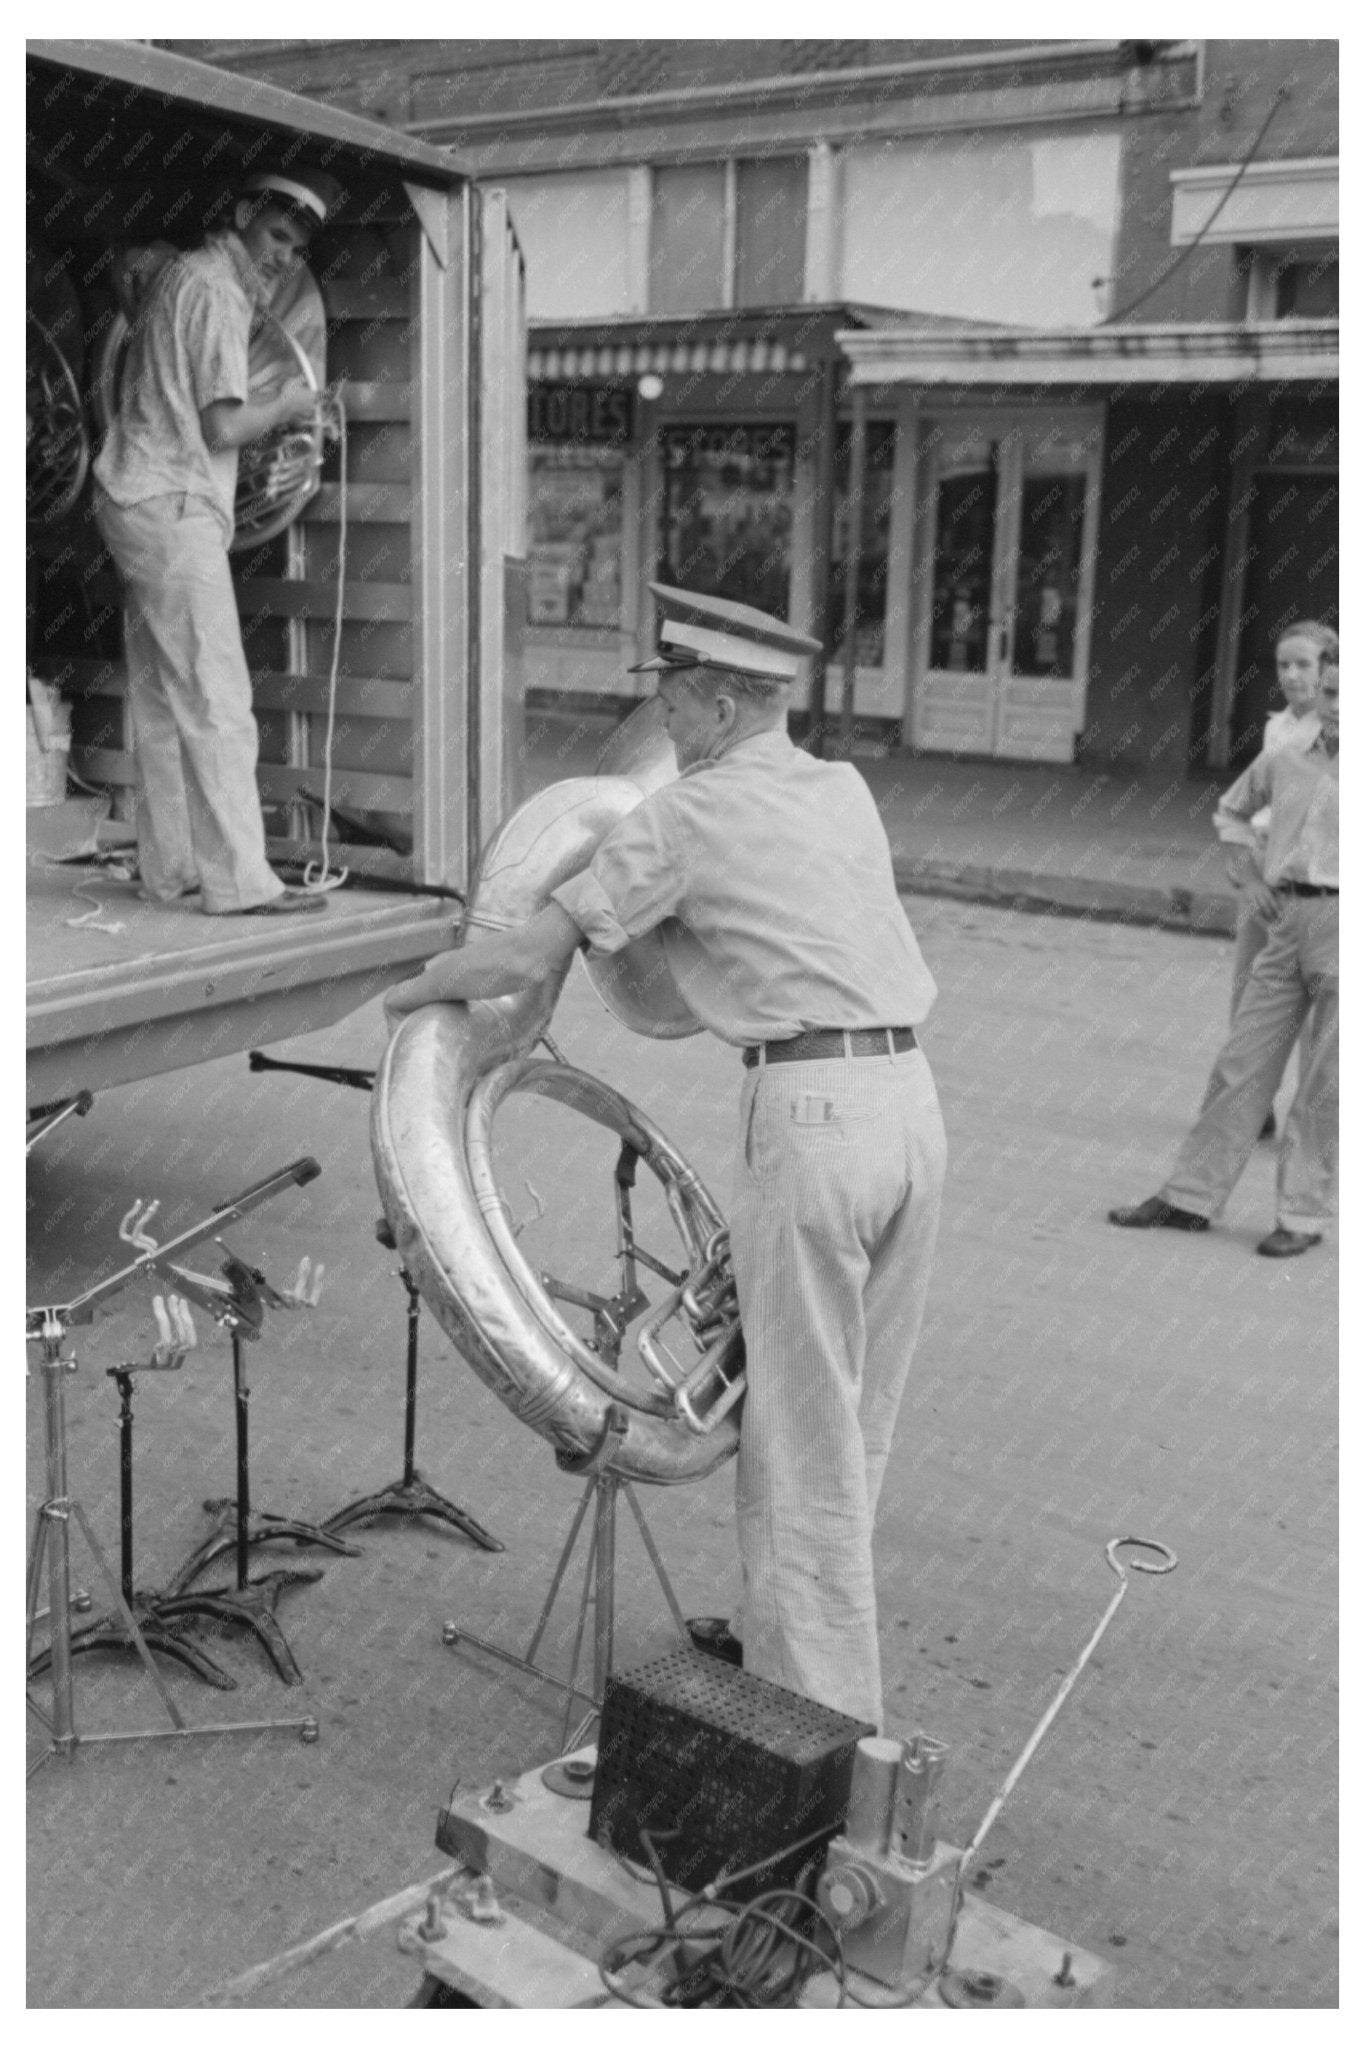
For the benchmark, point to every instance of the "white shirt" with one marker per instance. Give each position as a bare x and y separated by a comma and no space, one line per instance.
769,875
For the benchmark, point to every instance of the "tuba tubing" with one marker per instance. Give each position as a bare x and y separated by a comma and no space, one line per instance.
445,1069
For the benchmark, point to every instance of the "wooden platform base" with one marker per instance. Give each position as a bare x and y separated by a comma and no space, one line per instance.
562,1900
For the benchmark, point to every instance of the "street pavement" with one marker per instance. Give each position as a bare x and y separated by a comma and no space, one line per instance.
1072,1383
1077,841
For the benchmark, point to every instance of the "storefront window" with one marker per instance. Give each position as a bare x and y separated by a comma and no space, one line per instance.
1051,526
964,548
878,486
728,512
574,516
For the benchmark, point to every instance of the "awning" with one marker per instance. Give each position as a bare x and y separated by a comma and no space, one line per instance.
743,341
665,358
1210,352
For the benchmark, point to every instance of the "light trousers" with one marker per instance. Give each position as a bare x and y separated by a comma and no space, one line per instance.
1291,995
834,1215
195,742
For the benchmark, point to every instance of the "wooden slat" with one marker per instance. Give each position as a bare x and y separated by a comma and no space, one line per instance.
370,401
381,299
273,597
355,787
357,696
366,505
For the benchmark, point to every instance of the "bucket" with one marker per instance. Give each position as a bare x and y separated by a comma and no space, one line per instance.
49,746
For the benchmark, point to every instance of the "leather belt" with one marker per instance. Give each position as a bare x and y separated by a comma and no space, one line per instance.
1307,889
834,1045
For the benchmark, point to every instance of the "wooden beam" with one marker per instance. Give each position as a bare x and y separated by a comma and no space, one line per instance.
361,790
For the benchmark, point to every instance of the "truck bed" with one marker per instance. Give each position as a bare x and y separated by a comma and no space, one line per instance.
172,987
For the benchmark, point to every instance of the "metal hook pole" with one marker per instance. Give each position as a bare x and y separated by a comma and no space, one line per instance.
1111,1549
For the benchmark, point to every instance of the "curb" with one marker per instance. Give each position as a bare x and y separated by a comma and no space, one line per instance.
1202,912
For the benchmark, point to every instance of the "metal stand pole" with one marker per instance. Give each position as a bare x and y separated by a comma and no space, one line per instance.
251,1603
159,1631
599,1586
52,1541
409,1496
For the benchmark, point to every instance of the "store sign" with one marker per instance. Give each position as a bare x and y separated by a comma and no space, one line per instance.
688,447
603,413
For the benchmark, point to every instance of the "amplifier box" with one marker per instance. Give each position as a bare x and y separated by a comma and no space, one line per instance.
721,1769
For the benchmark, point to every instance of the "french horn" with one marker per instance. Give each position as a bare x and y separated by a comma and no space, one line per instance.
446,1070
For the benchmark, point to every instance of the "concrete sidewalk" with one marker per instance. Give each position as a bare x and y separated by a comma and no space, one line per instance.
1067,840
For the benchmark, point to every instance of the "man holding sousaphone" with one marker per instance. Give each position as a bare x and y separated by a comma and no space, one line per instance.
768,876
164,503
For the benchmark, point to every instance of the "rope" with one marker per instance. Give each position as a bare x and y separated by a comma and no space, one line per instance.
321,878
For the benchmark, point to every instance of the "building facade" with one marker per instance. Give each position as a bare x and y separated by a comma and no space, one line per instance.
1007,369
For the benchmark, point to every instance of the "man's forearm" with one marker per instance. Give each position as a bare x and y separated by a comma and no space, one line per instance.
495,964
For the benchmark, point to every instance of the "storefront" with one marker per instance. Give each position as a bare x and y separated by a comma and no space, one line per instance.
712,452
1107,531
1070,546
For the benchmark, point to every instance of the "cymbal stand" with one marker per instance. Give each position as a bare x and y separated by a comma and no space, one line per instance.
49,1326
411,1495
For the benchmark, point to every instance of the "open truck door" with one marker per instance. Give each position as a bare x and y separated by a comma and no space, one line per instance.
375,624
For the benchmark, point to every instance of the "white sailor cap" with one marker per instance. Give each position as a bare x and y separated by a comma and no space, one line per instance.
717,633
302,187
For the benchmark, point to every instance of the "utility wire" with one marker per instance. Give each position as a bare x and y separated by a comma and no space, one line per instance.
1281,95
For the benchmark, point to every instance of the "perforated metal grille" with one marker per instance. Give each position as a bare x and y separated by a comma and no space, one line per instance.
721,1768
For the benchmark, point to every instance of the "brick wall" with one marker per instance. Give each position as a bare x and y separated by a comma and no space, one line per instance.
1239,83
1162,514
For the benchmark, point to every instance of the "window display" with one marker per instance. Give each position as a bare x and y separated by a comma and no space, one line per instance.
574,517
728,512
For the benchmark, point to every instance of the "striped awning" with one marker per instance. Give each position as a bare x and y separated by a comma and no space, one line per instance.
740,355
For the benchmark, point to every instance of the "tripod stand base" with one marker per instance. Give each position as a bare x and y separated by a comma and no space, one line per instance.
251,1607
408,1498
158,1631
261,1528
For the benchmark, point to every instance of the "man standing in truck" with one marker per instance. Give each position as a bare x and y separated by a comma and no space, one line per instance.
165,482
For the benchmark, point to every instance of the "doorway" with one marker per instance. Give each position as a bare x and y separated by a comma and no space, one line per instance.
1292,573
1007,575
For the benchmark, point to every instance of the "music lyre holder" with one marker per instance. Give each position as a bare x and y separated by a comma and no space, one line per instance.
49,1326
611,1317
250,1603
411,1496
161,1631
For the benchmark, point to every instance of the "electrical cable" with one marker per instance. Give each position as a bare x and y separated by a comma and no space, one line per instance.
760,1957
1280,96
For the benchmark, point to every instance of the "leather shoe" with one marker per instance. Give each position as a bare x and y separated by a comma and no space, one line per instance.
1287,1244
1155,1214
713,1636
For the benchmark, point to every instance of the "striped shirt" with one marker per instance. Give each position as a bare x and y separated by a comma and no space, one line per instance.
1303,792
769,876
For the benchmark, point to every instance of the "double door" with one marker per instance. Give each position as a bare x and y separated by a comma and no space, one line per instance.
1007,575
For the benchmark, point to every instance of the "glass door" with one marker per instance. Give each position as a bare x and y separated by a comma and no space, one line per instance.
1003,644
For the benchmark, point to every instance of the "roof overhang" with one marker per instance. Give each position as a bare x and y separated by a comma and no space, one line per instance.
1213,352
1291,199
767,340
242,102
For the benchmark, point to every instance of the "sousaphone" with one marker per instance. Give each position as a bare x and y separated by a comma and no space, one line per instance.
447,1070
